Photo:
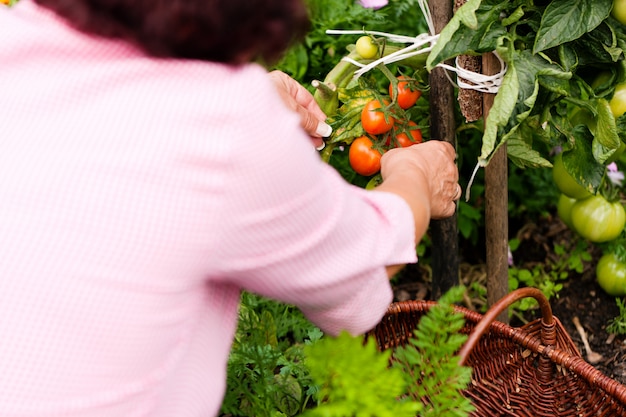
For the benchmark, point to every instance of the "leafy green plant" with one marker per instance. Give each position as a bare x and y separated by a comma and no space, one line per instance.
553,50
549,275
617,325
266,374
317,55
355,379
424,377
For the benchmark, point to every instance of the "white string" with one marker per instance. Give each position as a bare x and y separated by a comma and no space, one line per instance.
426,12
418,45
416,48
471,181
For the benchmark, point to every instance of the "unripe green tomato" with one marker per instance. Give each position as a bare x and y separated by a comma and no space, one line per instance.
619,11
564,210
618,101
366,48
597,219
566,183
611,275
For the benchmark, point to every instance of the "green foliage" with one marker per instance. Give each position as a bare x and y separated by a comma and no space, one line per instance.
266,374
548,276
318,54
553,51
356,380
524,183
617,325
424,378
430,364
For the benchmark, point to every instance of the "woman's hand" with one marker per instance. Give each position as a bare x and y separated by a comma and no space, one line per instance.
426,177
299,99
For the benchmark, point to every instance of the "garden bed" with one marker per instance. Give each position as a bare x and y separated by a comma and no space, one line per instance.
580,296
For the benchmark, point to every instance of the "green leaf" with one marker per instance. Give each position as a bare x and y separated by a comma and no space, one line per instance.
600,46
500,112
522,155
580,163
355,379
475,28
566,20
517,95
606,140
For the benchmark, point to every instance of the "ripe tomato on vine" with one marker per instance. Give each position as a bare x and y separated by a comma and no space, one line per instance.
363,158
408,94
373,118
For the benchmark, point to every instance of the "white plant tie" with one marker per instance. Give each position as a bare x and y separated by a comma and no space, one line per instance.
416,42
418,45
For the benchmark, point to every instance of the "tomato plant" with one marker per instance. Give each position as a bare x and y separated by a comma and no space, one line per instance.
565,182
373,118
564,209
619,11
366,47
363,158
597,219
408,94
611,275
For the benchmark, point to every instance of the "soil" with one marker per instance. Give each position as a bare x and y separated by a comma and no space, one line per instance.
580,296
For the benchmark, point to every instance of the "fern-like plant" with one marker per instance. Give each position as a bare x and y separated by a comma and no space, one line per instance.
424,379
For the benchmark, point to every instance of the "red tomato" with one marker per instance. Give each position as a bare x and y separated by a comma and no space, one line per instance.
373,118
364,159
403,140
408,94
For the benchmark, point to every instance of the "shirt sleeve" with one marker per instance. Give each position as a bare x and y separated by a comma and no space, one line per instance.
294,230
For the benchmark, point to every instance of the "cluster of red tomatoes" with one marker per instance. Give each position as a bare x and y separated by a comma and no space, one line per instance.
383,129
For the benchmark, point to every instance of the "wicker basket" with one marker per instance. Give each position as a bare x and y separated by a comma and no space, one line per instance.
529,371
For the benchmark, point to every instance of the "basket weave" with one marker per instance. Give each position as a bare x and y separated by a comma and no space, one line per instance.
529,371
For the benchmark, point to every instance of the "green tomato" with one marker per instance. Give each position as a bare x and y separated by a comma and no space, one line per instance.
366,48
618,101
564,209
566,183
611,275
619,11
597,219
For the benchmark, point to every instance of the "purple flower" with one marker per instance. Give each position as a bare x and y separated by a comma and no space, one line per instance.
373,4
616,176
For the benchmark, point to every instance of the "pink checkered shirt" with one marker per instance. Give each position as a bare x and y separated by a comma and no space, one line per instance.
138,197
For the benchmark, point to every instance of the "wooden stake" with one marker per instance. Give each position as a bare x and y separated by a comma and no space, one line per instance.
496,208
445,240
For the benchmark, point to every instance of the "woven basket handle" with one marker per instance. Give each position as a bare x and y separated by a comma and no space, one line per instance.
502,304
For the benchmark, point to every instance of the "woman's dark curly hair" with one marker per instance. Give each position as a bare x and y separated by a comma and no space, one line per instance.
228,31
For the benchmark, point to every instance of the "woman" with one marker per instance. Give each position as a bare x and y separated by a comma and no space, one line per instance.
149,172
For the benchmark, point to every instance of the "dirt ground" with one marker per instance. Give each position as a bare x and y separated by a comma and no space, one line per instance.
580,297
585,300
